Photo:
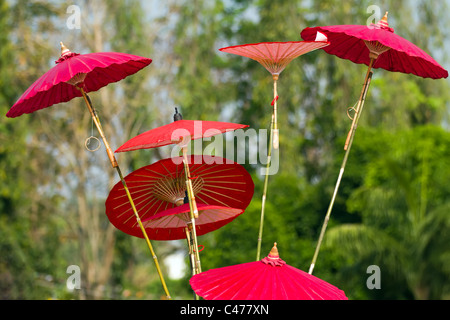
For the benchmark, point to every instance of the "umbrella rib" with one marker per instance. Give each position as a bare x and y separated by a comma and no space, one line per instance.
286,55
122,196
220,194
224,181
210,197
223,195
145,213
167,170
215,215
194,168
165,187
212,171
158,173
163,222
222,187
230,176
138,205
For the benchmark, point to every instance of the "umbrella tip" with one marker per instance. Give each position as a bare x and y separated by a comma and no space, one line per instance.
64,49
274,252
384,21
177,116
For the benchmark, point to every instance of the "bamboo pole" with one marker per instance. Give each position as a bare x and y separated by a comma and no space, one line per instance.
275,112
194,270
347,147
115,165
274,143
193,209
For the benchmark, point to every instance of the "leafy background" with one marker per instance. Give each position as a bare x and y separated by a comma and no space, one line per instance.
392,209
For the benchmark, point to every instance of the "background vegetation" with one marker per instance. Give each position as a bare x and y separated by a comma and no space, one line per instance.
393,206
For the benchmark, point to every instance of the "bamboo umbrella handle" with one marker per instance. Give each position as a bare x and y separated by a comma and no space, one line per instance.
264,196
115,165
343,165
276,139
353,127
96,120
192,206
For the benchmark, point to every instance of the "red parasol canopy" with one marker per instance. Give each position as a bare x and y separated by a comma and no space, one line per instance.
267,279
92,70
378,47
354,43
171,224
275,56
175,131
161,186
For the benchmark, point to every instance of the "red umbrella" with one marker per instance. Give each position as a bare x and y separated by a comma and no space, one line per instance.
275,56
74,72
176,131
161,186
267,279
73,76
378,47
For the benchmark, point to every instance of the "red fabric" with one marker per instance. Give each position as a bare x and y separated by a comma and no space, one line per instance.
273,261
262,281
175,131
346,42
170,224
156,187
101,68
274,56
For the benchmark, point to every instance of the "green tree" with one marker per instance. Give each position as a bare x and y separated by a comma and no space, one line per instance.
404,206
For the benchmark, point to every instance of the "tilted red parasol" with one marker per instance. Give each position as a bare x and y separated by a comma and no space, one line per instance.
377,46
268,279
74,76
162,186
275,56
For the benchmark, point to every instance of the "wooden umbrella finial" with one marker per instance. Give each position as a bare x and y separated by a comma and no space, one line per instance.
274,252
64,49
384,21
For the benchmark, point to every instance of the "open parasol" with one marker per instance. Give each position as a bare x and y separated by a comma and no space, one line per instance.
376,46
268,279
162,186
274,56
75,75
